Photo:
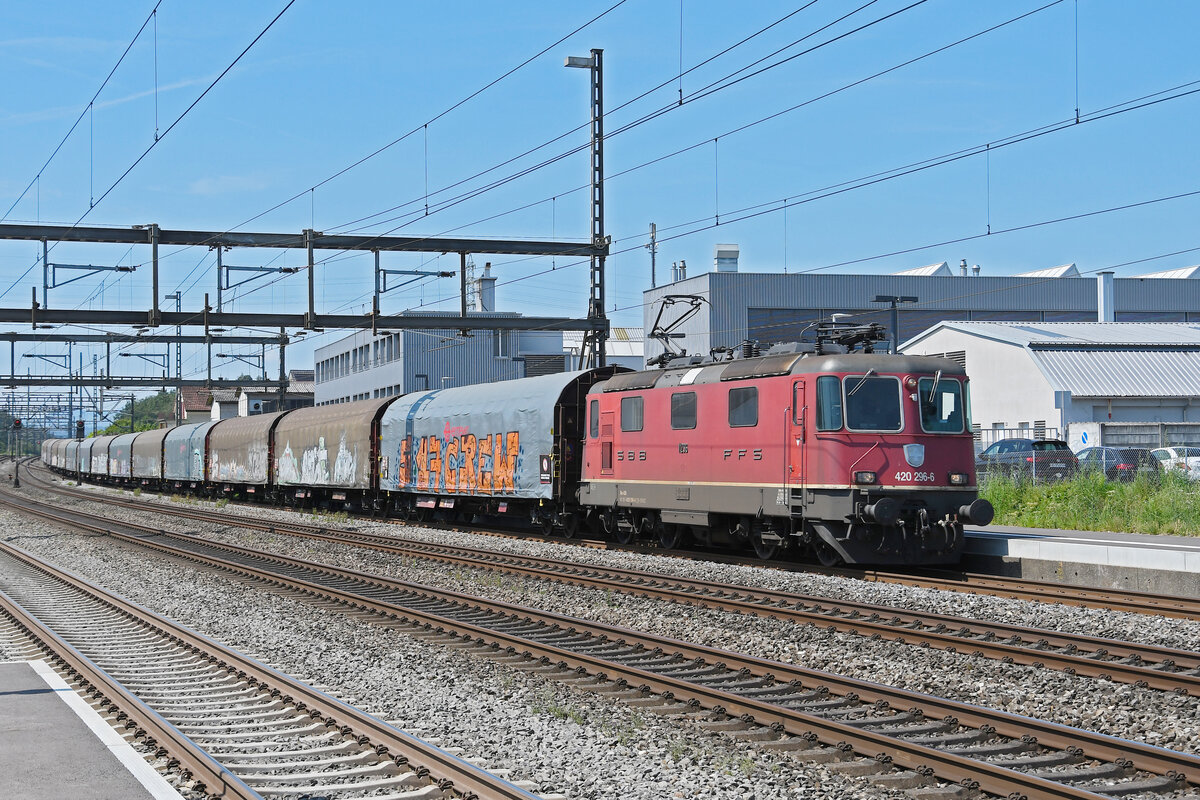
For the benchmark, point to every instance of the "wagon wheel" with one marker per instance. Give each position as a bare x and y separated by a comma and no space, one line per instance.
546,523
570,525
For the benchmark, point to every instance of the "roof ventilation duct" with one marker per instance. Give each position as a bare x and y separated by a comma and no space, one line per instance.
1104,297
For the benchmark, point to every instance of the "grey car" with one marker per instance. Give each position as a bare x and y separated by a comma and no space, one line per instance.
1037,460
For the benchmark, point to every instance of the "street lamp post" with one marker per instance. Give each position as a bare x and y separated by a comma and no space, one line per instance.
895,300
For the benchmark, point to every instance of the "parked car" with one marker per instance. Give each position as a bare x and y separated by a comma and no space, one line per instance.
1028,459
1184,459
1120,463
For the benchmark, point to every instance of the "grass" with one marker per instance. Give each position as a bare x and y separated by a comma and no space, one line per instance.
1090,503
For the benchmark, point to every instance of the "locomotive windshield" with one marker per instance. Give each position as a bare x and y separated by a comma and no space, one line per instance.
941,405
872,403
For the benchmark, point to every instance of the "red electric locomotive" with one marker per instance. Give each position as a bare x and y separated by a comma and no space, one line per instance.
858,457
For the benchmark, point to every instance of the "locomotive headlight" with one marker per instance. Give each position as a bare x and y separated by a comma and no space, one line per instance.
865,476
958,479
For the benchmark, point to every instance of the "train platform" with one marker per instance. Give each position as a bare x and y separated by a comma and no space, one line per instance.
1102,559
54,745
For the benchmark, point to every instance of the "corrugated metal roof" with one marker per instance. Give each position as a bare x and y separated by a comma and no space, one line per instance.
929,270
1096,372
1077,333
1061,271
1182,272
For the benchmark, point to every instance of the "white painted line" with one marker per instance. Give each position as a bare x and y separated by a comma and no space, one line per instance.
146,775
1041,537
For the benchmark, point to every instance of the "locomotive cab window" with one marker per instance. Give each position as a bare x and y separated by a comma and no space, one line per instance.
872,403
829,403
743,407
683,411
941,405
631,413
594,421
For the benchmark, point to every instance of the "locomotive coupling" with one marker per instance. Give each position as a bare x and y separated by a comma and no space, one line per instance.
979,512
885,511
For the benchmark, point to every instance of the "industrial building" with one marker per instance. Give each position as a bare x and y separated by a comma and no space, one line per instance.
367,365
1091,383
773,307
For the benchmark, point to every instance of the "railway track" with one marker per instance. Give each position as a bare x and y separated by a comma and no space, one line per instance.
239,728
1000,753
946,580
1163,668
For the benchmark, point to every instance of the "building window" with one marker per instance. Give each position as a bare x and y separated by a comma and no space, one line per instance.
743,407
683,411
631,413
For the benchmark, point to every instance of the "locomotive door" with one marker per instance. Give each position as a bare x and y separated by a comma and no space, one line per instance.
606,443
796,437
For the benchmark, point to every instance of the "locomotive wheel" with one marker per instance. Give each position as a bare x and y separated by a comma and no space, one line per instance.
826,554
624,535
570,525
670,535
765,550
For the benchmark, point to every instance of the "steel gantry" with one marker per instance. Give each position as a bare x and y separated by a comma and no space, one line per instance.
594,323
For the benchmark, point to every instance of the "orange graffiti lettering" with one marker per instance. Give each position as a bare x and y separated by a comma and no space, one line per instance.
468,478
423,464
434,467
485,475
402,465
504,462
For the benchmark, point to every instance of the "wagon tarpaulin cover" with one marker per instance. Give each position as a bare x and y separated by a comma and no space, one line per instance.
239,449
492,439
97,455
183,452
120,455
327,445
148,453
71,455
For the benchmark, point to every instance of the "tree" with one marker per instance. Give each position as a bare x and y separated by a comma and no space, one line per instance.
146,414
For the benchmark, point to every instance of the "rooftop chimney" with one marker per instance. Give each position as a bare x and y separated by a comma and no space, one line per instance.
975,270
725,257
486,297
962,268
1104,297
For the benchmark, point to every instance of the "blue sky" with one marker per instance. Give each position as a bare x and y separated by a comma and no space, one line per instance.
330,83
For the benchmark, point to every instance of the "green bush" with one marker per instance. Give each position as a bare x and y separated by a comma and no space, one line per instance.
1091,503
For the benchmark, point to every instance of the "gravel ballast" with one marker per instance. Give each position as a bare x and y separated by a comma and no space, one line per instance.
1116,709
564,740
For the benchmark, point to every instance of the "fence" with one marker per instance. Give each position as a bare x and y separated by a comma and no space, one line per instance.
986,437
1150,434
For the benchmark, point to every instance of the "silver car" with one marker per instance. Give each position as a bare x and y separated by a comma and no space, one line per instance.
1184,459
